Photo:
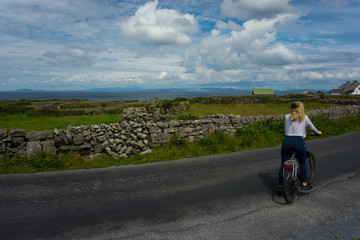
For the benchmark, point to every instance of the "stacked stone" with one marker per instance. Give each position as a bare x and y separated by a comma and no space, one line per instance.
25,145
3,135
336,112
132,136
117,140
13,144
154,113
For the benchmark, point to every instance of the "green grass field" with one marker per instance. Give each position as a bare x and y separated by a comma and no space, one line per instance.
32,123
199,110
253,136
45,122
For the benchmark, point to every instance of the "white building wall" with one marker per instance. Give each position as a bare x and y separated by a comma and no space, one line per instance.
356,91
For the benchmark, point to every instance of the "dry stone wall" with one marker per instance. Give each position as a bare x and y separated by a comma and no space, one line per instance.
137,133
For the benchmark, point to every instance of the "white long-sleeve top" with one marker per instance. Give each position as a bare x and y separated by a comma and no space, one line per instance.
296,128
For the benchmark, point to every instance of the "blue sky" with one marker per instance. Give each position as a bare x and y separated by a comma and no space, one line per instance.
241,44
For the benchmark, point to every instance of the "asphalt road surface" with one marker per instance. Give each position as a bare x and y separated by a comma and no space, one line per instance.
227,196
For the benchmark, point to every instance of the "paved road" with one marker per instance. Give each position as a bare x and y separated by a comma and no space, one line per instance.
229,196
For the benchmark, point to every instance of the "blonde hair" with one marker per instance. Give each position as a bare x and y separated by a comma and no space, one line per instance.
297,111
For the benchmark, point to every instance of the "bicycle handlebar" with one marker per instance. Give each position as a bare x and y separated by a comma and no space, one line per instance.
313,134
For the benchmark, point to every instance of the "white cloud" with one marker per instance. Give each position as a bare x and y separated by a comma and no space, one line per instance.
279,55
254,44
228,25
71,56
59,44
54,19
162,75
247,9
151,25
312,75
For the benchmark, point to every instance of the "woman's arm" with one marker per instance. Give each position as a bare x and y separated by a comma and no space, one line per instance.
311,126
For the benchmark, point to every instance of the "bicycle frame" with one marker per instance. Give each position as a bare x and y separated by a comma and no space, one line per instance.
291,174
292,164
291,179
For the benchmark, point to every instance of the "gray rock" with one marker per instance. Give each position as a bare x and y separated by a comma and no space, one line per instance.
88,138
4,133
140,144
17,132
56,131
49,146
39,135
98,148
85,133
78,139
108,151
21,151
83,147
113,147
68,135
141,135
105,144
63,138
122,150
18,140
129,150
146,152
2,147
118,148
33,148
102,138
7,140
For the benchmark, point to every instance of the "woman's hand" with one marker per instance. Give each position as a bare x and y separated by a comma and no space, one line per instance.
319,132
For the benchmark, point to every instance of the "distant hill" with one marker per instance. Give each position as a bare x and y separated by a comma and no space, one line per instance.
113,89
26,90
138,89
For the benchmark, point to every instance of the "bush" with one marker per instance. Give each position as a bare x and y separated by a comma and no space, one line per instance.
167,104
177,141
186,116
180,99
267,134
43,162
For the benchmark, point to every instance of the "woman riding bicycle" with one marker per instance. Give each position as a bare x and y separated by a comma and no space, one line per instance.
295,131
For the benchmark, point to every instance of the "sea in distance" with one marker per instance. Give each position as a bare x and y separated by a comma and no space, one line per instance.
131,95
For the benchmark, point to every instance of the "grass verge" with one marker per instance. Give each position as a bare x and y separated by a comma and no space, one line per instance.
199,110
35,123
254,136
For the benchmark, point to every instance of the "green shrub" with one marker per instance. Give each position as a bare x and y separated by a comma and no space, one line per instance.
334,127
166,104
43,162
180,99
186,116
177,141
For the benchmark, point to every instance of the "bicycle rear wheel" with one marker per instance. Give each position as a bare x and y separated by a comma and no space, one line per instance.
311,167
289,186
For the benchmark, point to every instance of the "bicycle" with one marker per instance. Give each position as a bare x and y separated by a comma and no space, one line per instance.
291,174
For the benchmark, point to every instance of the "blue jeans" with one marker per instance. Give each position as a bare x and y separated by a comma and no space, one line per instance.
297,145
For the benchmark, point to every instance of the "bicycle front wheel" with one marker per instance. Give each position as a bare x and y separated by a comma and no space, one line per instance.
311,167
289,186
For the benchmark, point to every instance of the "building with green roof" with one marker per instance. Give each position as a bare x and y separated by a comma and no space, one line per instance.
263,92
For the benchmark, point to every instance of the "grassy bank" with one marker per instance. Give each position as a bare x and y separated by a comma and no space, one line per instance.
259,135
32,120
49,114
35,123
199,110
